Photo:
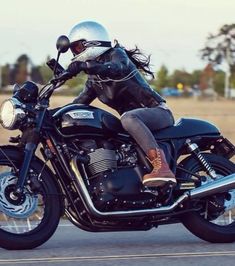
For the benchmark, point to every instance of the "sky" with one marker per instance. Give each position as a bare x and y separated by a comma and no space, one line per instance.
172,31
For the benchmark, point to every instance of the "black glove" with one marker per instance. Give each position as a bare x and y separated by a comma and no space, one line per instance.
76,67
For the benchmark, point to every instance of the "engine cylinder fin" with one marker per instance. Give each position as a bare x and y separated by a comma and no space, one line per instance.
102,160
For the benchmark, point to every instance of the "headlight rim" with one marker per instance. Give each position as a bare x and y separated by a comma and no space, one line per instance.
17,116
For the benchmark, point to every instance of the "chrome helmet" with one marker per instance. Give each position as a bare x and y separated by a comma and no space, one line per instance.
88,40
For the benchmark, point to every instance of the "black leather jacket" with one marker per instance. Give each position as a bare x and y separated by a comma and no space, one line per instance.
115,80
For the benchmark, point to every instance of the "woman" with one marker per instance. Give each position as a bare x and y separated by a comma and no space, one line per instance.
114,78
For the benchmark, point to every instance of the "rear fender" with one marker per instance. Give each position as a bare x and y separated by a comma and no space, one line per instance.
223,147
217,145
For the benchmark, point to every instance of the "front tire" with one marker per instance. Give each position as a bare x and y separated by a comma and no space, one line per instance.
20,229
208,229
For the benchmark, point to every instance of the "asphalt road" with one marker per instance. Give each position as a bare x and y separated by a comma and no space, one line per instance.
167,245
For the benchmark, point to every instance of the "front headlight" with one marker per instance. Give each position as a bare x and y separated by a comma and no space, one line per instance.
11,113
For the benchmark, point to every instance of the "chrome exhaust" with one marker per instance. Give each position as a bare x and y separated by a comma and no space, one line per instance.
221,185
217,186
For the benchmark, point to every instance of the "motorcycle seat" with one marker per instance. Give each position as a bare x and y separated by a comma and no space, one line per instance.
183,128
187,127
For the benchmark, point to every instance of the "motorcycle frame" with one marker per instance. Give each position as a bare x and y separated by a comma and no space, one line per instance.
45,132
66,177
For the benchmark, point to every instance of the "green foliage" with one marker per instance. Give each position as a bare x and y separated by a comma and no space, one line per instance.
232,80
180,76
6,75
162,78
41,74
46,73
76,84
219,82
195,77
21,69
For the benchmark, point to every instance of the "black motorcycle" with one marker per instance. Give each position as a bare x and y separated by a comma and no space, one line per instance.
92,169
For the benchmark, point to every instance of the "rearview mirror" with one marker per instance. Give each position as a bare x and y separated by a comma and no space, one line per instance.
62,44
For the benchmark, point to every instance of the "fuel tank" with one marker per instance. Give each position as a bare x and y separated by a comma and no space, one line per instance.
74,119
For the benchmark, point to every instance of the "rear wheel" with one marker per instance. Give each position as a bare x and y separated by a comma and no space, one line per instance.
29,220
215,222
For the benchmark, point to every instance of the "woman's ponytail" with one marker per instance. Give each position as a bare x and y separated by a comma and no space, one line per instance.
141,61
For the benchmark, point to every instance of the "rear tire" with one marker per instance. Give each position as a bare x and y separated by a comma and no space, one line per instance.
197,224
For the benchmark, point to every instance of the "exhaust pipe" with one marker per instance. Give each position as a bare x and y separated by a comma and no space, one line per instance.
218,186
221,185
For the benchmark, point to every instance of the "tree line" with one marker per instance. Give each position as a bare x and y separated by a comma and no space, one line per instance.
219,48
199,78
24,69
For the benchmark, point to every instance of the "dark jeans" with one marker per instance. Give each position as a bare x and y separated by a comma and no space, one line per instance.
140,122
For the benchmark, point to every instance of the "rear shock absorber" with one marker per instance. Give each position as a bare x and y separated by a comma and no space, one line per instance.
193,147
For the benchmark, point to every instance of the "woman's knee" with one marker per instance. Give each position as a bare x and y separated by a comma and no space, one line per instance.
127,120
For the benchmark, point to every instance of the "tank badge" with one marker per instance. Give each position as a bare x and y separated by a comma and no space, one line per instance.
81,114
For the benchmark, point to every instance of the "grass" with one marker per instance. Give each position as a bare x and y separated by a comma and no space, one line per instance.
221,113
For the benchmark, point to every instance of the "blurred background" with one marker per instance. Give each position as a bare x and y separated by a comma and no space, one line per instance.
191,43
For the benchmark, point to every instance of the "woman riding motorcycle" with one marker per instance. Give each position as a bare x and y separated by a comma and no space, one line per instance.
114,78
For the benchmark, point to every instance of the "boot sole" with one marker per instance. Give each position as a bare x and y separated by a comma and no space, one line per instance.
158,182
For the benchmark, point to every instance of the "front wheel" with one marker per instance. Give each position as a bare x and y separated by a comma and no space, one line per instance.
215,222
29,220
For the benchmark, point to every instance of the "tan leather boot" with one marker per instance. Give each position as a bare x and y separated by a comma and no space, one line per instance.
161,173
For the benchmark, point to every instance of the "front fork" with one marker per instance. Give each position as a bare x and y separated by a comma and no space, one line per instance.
30,148
194,149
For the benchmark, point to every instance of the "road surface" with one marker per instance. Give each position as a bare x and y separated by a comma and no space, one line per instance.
167,245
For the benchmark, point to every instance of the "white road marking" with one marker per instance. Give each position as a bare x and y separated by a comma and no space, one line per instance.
24,226
115,257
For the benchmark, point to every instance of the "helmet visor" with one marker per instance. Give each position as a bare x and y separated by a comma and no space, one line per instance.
78,47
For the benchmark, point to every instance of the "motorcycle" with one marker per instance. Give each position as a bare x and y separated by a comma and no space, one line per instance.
91,170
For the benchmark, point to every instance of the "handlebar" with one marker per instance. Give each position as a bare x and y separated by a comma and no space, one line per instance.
54,83
61,75
61,78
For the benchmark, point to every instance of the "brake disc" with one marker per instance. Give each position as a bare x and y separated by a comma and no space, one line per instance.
12,205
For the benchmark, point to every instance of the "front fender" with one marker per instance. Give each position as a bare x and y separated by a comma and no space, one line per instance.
16,152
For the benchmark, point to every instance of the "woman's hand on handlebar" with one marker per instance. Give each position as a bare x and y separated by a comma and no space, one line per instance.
61,78
76,67
73,69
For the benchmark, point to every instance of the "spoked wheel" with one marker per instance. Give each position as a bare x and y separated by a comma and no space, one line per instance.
27,220
215,222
